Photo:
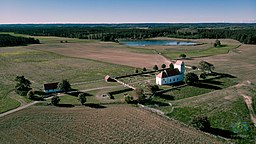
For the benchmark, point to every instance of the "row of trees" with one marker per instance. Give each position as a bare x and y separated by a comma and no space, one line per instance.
243,33
9,40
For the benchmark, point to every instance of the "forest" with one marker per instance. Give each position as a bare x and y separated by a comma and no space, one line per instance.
9,40
245,33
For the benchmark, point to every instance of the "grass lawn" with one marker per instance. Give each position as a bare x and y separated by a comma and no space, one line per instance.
6,103
44,67
172,54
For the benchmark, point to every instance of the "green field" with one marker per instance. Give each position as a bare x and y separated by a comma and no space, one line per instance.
43,67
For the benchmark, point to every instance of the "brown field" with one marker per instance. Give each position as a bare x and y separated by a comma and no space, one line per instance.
240,62
106,52
115,124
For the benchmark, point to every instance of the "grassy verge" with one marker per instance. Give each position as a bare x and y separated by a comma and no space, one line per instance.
6,103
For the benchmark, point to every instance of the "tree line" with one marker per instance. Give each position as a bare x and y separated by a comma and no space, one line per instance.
245,33
9,40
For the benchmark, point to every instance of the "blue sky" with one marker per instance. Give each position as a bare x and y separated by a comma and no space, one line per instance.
121,11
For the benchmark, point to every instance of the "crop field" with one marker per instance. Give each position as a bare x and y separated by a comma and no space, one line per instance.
115,124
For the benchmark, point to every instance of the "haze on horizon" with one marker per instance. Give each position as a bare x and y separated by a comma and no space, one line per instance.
127,11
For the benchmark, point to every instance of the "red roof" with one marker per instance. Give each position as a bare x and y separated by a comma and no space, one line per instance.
50,86
169,73
179,62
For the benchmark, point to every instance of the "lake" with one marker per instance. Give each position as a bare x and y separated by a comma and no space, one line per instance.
156,43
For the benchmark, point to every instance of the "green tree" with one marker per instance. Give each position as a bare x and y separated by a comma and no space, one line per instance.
64,85
136,70
155,67
31,94
152,88
55,100
163,66
171,66
201,122
144,69
22,85
203,75
128,99
82,98
183,56
191,78
139,94
206,67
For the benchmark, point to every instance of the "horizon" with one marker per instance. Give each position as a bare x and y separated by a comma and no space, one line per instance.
119,12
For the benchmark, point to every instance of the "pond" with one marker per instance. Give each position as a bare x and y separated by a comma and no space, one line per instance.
156,43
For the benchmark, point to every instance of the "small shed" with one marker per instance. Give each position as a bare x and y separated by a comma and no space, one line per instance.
51,87
108,79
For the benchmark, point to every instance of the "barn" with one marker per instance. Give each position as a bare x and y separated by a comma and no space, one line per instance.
51,87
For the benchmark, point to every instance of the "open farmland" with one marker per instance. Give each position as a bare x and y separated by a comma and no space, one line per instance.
115,124
240,62
107,52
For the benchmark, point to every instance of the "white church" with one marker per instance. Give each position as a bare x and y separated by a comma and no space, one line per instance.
171,76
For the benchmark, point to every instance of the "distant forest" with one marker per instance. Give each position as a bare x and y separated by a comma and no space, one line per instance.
245,33
9,40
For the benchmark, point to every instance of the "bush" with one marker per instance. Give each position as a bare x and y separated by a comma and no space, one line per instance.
152,88
171,66
163,66
201,122
191,78
55,100
144,69
129,99
183,56
82,98
155,67
136,71
203,75
139,94
194,67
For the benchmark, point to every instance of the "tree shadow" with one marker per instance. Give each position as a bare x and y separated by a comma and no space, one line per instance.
96,106
166,97
76,93
157,103
212,82
120,91
223,133
207,86
65,105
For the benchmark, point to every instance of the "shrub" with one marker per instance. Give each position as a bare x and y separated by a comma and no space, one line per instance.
183,55
136,71
144,69
163,66
194,67
191,78
201,122
152,88
203,75
129,99
155,67
82,98
171,66
55,100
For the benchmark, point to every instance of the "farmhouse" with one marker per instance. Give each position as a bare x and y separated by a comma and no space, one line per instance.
171,76
51,88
